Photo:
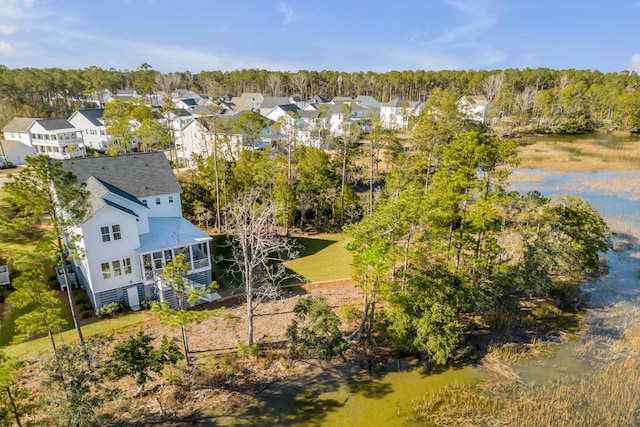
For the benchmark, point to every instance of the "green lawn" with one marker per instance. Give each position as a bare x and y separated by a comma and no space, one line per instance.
322,257
103,327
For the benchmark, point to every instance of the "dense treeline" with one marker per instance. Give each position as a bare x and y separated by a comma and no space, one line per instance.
560,101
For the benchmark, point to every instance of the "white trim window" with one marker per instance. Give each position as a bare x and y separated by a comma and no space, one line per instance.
110,233
106,270
116,268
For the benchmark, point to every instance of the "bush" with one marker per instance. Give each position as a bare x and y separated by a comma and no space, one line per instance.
85,313
78,297
4,293
145,304
349,313
315,330
245,350
108,309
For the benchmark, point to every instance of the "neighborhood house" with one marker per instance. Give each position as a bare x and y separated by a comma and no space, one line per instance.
134,228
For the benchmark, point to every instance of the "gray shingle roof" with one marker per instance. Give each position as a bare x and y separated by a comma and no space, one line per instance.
274,101
93,115
55,124
18,124
141,175
396,103
97,190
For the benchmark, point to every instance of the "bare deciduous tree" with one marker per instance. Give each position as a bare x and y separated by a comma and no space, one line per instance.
257,251
492,84
167,82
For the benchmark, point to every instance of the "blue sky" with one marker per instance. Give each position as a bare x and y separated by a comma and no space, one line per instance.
290,35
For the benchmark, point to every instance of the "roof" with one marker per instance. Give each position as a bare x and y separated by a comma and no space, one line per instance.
201,110
309,114
93,115
54,124
477,99
274,101
189,102
396,103
18,124
318,99
141,175
97,190
170,232
341,99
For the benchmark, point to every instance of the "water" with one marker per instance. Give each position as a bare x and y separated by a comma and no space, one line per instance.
382,395
367,396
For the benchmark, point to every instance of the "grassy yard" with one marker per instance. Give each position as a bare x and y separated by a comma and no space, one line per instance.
106,327
322,257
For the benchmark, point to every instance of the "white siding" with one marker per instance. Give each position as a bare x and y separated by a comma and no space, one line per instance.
163,205
98,252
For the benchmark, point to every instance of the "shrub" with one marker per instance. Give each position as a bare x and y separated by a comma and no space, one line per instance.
315,330
85,313
78,297
245,350
108,309
349,313
146,304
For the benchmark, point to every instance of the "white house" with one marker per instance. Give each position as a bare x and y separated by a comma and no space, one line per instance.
18,130
475,107
16,144
14,153
92,126
134,227
57,138
396,113
198,136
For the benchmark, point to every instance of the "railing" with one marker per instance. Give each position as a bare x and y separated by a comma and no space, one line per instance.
200,263
152,273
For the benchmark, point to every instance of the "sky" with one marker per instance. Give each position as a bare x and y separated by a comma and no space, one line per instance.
339,35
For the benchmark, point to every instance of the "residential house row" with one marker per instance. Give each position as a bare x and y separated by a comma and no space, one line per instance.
305,122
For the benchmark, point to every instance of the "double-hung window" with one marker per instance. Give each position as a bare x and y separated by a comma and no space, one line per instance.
110,233
106,270
106,236
116,232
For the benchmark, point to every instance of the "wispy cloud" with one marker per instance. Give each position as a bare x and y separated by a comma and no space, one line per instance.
6,49
635,63
462,45
7,28
288,13
478,19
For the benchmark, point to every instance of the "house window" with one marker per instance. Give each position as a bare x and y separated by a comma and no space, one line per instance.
105,234
157,200
126,263
116,232
117,268
170,199
157,260
144,202
106,270
111,233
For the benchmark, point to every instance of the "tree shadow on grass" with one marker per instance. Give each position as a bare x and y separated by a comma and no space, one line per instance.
309,246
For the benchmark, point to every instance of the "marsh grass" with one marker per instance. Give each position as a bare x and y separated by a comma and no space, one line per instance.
607,396
584,155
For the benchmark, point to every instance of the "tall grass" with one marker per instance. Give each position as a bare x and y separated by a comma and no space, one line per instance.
586,155
607,396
